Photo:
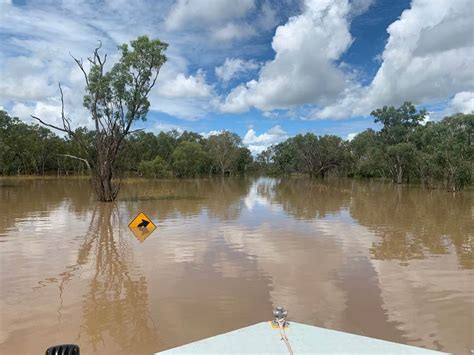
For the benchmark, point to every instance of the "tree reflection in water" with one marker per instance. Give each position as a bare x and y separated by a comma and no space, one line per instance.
308,199
115,304
414,223
220,198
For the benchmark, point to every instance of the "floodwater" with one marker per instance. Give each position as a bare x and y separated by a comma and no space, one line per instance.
371,258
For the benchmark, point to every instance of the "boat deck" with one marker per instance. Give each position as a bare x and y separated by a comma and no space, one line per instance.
262,338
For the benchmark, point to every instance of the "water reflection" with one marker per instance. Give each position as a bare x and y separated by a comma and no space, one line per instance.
307,198
115,302
375,259
22,197
413,223
220,198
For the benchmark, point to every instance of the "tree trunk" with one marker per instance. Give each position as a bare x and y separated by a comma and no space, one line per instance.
399,168
399,175
450,183
105,189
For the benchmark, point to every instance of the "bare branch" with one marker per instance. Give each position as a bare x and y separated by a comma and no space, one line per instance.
77,158
49,125
66,121
80,64
152,83
101,63
66,124
97,56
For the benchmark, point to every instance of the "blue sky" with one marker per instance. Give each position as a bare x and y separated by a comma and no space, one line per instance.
264,69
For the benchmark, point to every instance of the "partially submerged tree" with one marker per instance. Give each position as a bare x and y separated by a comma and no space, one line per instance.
399,125
189,159
310,154
454,150
115,99
367,152
224,151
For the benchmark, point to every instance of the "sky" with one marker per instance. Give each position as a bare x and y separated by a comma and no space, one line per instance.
266,70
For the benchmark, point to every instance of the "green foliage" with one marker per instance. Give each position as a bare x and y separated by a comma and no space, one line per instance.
243,161
140,146
310,154
399,126
223,149
367,153
30,149
438,153
453,150
156,168
406,150
398,123
190,159
187,136
167,142
121,94
283,156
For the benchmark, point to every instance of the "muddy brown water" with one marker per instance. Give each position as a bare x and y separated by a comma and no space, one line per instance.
371,258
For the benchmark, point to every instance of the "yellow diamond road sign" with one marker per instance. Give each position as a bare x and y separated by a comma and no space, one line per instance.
141,226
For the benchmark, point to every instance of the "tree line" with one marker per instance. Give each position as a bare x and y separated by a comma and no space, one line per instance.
407,148
404,150
30,149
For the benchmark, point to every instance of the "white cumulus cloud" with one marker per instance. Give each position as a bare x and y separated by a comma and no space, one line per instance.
232,67
211,133
165,127
258,143
303,70
463,102
351,136
360,6
185,86
44,35
428,57
202,13
233,31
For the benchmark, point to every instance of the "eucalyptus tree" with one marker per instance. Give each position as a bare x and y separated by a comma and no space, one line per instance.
283,156
223,149
332,155
307,152
115,99
454,150
367,153
190,159
310,154
399,125
244,161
